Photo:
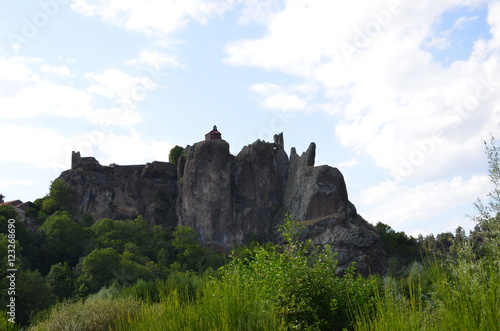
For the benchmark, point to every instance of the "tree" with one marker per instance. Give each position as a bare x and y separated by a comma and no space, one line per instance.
62,240
175,154
61,280
33,295
60,197
399,247
116,233
444,243
26,248
487,231
189,251
99,267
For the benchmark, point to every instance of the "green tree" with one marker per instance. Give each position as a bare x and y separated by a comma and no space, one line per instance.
100,267
400,248
190,254
116,233
444,243
487,232
62,240
162,250
175,154
33,295
7,212
60,198
26,248
61,280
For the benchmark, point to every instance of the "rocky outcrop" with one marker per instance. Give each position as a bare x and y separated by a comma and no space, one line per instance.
125,192
259,174
313,192
317,196
230,199
205,191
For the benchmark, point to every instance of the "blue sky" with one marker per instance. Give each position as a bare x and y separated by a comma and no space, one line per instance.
398,95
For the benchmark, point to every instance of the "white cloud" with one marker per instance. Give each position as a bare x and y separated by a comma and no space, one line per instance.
132,149
284,102
155,60
290,99
113,83
348,164
14,75
459,23
31,88
395,104
30,144
156,17
56,70
5,183
259,11
400,206
439,43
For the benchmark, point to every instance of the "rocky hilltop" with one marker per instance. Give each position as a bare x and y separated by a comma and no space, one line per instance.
230,199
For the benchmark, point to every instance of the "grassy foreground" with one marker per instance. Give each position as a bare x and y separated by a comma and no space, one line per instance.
462,296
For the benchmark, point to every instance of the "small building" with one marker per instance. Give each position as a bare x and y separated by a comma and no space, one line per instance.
13,203
214,134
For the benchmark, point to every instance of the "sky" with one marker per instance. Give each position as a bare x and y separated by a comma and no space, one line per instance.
398,95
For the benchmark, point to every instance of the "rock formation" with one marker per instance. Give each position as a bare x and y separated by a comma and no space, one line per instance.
230,199
124,192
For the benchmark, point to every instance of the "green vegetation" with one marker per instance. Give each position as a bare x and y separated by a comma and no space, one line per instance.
175,154
93,314
214,305
128,275
457,290
299,281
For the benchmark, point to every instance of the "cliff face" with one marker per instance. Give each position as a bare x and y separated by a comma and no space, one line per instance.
205,191
230,199
124,192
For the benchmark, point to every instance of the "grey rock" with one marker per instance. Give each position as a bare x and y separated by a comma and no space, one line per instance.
205,191
125,192
259,173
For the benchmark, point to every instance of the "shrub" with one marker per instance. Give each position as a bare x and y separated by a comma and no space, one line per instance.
299,282
94,314
175,154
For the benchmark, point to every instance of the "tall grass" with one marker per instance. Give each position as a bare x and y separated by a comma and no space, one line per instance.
5,324
94,314
461,295
217,305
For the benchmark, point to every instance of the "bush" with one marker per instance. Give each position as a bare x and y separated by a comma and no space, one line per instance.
300,282
92,315
175,154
